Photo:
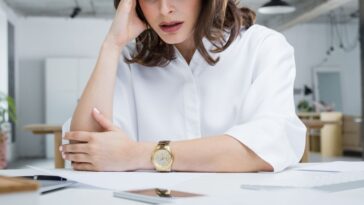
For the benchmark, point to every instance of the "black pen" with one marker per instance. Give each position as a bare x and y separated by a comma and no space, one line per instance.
49,183
45,177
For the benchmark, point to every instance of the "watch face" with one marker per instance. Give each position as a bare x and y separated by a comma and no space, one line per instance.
163,158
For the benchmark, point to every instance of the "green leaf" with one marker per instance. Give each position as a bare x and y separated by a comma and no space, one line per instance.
11,104
12,117
11,108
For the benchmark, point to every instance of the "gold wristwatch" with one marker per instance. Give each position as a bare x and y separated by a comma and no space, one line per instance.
162,157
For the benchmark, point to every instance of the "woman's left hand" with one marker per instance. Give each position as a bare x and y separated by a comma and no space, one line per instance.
111,150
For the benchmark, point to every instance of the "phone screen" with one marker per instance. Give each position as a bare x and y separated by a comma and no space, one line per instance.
154,196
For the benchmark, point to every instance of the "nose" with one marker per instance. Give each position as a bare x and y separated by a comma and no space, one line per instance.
166,7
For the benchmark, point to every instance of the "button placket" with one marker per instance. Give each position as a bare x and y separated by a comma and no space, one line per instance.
191,101
192,109
191,96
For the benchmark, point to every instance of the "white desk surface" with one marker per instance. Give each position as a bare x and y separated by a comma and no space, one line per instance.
220,188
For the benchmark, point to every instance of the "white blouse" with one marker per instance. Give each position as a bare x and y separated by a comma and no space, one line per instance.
248,95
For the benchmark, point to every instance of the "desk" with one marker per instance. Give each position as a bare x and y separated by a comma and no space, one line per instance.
221,188
43,129
310,125
330,137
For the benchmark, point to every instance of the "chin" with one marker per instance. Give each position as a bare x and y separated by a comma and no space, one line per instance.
173,38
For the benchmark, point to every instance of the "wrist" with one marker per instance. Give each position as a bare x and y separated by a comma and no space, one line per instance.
111,43
109,51
143,153
110,47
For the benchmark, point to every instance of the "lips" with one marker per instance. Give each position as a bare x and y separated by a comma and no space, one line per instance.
171,27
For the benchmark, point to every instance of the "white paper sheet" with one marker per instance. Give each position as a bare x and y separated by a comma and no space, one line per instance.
338,166
301,179
278,197
123,180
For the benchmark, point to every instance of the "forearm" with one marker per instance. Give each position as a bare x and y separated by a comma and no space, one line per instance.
210,154
99,90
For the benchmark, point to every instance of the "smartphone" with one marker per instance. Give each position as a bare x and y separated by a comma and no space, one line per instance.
155,195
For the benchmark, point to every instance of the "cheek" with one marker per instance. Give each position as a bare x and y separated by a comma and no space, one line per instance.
147,12
190,11
196,8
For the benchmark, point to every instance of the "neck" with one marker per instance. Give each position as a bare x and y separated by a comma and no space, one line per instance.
187,49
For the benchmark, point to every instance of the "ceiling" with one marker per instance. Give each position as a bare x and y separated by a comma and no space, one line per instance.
104,8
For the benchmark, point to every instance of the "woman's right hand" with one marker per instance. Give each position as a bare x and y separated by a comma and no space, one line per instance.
126,24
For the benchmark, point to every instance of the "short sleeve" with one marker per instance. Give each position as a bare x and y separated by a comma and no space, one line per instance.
124,110
268,123
66,126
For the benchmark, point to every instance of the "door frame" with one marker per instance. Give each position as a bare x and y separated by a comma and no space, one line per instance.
326,69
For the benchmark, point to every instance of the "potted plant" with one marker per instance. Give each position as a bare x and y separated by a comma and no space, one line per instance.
7,111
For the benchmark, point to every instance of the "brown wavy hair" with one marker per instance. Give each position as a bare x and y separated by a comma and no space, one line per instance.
216,17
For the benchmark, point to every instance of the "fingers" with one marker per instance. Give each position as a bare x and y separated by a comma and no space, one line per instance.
77,157
75,148
104,122
78,136
83,166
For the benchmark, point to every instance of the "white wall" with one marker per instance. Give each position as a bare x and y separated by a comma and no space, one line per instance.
3,51
6,15
311,42
38,39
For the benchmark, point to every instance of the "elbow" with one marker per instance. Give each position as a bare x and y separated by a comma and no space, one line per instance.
249,161
254,163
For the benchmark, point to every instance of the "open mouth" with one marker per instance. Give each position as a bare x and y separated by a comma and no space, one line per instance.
171,26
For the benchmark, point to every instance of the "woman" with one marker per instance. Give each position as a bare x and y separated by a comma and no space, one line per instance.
201,89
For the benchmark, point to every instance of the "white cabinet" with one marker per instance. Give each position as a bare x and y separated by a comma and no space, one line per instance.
65,79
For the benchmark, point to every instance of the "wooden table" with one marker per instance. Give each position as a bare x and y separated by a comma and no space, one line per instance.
43,129
314,124
12,185
310,124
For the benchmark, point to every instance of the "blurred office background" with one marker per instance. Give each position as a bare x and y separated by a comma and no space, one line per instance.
48,49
